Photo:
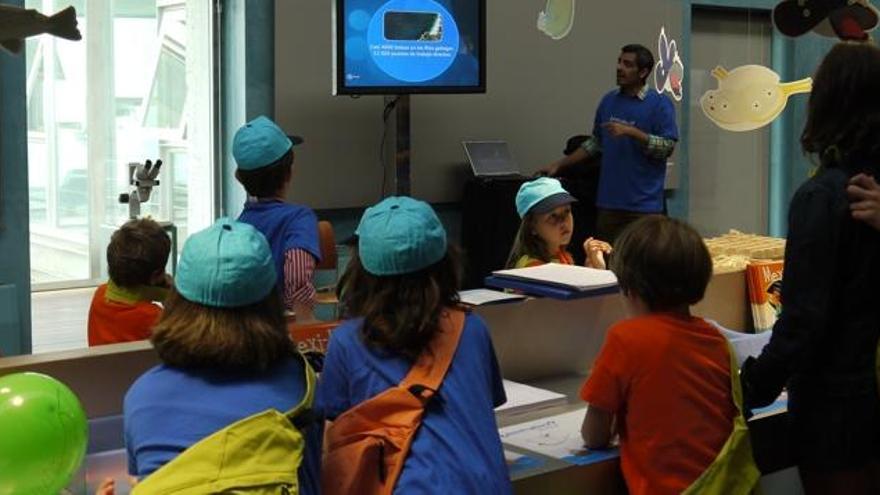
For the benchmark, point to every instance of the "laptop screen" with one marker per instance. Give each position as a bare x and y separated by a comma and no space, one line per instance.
490,158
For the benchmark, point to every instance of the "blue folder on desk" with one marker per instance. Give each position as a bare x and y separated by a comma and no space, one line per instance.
544,290
556,281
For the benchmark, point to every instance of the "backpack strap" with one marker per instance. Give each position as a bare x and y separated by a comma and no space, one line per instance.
428,372
300,415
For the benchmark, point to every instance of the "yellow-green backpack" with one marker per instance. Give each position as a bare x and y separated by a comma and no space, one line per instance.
258,455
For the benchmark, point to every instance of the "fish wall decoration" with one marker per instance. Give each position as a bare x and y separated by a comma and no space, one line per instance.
844,19
17,23
557,18
749,97
669,71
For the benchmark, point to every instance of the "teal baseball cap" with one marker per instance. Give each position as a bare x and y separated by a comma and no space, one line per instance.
400,235
541,195
227,265
260,142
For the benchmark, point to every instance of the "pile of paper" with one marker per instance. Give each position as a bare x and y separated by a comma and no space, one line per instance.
523,398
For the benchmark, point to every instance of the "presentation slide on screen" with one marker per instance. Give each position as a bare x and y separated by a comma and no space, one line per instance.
411,43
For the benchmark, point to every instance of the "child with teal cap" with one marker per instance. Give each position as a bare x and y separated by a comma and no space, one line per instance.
401,284
547,224
225,352
264,155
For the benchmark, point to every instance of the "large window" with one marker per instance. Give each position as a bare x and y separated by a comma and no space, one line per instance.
138,86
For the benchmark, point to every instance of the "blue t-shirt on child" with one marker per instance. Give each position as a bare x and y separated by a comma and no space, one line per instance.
630,180
168,409
457,448
286,226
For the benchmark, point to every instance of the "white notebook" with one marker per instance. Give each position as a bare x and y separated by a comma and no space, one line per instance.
567,276
478,297
523,398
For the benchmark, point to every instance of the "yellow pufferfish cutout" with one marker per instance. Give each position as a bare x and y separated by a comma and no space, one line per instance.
748,97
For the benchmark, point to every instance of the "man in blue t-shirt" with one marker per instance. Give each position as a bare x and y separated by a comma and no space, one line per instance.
635,132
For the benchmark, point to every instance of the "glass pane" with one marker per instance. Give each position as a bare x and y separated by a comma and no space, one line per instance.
117,97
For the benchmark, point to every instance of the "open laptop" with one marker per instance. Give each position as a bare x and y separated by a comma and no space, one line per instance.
491,159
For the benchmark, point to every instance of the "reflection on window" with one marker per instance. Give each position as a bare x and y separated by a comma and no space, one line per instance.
120,95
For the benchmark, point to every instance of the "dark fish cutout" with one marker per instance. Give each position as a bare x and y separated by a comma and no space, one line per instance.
17,23
844,19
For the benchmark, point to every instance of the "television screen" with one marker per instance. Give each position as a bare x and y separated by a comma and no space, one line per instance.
409,46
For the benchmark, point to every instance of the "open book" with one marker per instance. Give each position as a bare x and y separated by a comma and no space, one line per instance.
569,277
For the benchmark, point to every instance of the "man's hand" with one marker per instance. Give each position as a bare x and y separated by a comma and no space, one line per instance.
617,129
864,196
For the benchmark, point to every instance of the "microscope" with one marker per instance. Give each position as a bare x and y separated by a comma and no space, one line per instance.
143,176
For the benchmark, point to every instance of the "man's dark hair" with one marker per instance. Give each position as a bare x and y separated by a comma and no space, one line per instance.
137,250
663,261
644,58
265,181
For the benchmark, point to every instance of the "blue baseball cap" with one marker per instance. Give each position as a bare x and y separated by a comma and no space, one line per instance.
400,235
227,265
541,195
260,142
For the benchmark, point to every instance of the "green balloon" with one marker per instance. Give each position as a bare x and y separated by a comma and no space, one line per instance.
43,434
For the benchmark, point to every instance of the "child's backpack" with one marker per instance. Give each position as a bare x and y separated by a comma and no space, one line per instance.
367,445
258,455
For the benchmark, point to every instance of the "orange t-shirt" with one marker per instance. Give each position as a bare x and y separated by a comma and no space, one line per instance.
111,322
667,379
562,257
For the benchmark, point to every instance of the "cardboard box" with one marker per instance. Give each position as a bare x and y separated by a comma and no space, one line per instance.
727,302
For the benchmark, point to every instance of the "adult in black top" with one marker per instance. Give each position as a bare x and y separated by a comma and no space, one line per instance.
824,344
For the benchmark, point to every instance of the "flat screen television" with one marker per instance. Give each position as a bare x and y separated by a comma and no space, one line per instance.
409,46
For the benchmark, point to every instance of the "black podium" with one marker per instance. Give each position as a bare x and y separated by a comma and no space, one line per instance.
490,222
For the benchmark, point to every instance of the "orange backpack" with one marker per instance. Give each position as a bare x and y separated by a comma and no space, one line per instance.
367,445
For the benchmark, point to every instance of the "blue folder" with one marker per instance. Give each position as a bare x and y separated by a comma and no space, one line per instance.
545,290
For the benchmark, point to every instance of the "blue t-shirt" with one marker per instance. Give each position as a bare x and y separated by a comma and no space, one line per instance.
286,226
457,448
630,180
168,409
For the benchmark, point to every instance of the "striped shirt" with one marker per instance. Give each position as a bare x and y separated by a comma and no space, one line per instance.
299,267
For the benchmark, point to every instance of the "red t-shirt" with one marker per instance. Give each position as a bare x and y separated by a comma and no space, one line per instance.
111,322
667,379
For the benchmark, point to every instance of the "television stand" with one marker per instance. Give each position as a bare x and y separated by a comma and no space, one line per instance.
402,145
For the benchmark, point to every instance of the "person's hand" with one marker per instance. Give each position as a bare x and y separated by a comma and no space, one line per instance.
106,487
617,129
596,251
864,196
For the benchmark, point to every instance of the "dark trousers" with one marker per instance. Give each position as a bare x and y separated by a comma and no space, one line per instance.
610,223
